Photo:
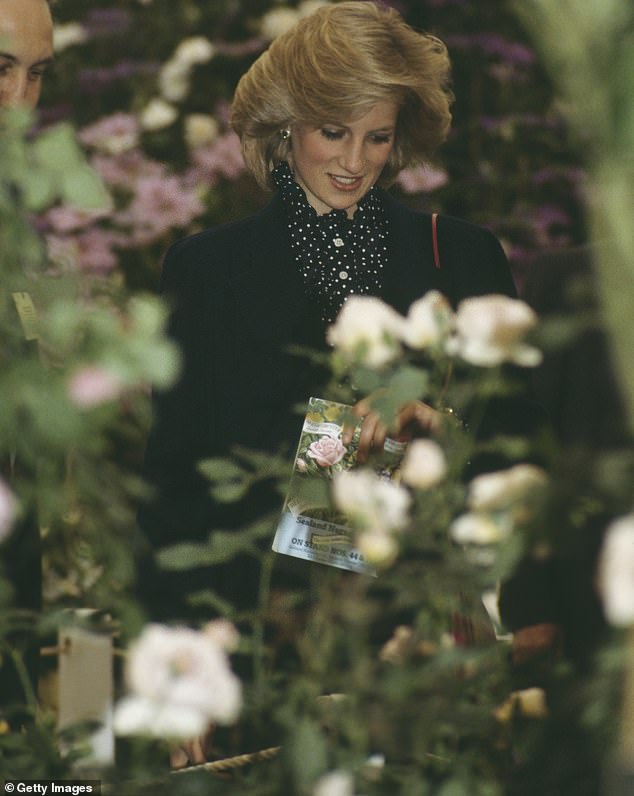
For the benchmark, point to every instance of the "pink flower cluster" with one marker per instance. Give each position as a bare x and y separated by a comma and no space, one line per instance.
149,200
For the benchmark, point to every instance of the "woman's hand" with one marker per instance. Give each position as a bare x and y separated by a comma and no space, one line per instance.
412,419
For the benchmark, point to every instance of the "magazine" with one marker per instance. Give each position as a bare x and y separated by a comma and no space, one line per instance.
309,527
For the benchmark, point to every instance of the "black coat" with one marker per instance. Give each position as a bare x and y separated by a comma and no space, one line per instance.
238,304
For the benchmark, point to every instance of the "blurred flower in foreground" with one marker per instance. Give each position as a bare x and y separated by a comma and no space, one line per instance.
616,572
490,330
529,702
367,329
424,464
180,682
429,321
376,507
507,489
93,385
336,783
498,502
8,510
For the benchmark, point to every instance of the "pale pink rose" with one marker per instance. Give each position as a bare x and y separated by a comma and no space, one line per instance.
92,385
429,321
177,668
371,502
424,465
224,633
8,510
616,572
478,529
326,451
503,489
335,783
490,330
367,329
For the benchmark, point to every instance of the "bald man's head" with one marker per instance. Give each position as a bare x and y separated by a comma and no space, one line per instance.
26,50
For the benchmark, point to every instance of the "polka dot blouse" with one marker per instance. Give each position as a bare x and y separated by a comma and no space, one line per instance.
337,256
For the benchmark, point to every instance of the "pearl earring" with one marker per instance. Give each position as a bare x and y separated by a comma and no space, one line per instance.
285,134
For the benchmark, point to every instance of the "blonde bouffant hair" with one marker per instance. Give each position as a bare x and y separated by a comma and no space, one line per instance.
332,67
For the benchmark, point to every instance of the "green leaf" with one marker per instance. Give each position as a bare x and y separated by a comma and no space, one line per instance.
220,469
308,754
221,547
82,187
57,149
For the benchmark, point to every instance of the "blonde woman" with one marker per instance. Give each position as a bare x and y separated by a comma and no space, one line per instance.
327,118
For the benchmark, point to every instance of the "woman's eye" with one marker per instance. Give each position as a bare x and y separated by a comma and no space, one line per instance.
383,138
331,135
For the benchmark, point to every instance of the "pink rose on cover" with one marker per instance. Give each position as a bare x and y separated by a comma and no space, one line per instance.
326,451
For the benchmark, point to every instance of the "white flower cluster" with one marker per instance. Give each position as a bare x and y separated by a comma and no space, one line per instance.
485,330
616,572
180,681
174,77
376,507
498,502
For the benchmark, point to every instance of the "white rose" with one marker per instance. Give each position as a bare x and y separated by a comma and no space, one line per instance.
8,510
189,669
367,329
480,529
158,114
424,464
499,490
428,321
370,501
195,50
277,21
616,572
490,330
135,715
336,783
200,129
67,35
379,548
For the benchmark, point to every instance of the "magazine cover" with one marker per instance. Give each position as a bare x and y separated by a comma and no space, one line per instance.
309,527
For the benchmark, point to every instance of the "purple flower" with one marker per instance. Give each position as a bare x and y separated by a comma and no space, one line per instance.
105,21
159,204
221,158
493,45
125,169
116,133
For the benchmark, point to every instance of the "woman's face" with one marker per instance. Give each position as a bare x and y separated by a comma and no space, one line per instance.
337,164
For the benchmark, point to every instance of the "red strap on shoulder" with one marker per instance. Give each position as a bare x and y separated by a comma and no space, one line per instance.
434,236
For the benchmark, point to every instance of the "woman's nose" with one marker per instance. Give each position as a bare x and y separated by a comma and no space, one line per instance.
352,156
